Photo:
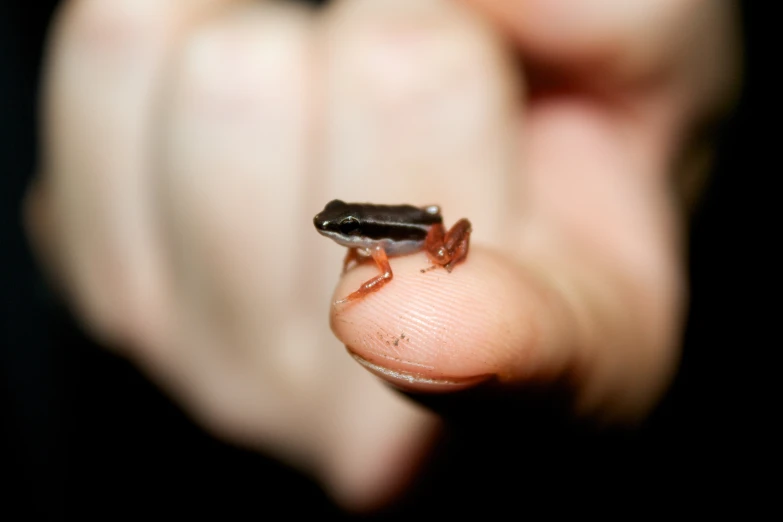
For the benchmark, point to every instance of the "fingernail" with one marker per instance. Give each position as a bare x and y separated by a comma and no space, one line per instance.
413,381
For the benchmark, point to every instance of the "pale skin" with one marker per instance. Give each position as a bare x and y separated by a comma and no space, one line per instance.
187,145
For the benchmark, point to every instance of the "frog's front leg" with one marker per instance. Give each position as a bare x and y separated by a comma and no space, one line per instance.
446,249
350,256
382,260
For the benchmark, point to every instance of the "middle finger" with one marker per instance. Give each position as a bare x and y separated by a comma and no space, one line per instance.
420,107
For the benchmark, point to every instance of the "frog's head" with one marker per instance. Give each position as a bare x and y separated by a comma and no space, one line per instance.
338,221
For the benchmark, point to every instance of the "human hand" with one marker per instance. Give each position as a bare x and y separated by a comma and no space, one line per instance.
587,292
188,145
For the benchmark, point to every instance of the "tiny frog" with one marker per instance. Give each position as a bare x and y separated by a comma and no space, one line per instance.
380,231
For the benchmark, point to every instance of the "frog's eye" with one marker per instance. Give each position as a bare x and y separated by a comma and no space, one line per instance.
349,225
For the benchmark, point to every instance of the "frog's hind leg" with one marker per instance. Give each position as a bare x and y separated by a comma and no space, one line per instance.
457,242
448,248
434,246
374,284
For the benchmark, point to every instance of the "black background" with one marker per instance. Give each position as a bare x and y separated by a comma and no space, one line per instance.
85,435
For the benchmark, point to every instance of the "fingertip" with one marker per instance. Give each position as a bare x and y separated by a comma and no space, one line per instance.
434,331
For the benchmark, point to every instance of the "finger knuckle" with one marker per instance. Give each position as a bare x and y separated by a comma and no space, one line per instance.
241,63
115,28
